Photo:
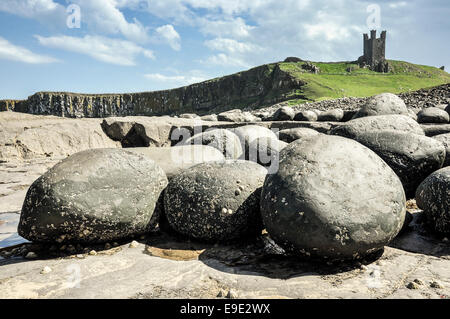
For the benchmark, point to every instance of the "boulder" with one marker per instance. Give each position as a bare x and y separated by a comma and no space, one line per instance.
294,134
93,196
433,115
175,159
116,129
382,104
210,118
249,133
435,129
190,116
237,116
447,108
216,201
285,113
332,198
412,157
265,151
225,141
353,128
307,116
433,196
348,115
148,133
335,115
445,139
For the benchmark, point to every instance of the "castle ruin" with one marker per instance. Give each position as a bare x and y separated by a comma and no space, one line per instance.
374,52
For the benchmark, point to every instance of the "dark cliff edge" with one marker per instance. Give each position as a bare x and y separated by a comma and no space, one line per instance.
255,88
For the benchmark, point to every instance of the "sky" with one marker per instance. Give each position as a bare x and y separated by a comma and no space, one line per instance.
119,46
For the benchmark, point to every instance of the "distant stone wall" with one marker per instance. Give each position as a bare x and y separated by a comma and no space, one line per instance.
254,88
10,105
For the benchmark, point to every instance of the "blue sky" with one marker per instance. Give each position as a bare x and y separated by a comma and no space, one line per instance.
146,45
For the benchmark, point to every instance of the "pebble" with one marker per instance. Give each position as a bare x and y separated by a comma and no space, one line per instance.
46,270
412,285
80,256
107,246
419,282
133,244
445,240
93,253
30,255
436,284
232,294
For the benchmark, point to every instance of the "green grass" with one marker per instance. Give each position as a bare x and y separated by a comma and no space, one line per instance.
334,80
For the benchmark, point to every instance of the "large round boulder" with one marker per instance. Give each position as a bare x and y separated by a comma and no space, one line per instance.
353,128
265,151
433,115
216,201
175,159
93,196
224,140
383,104
333,198
249,133
412,157
445,140
293,134
433,196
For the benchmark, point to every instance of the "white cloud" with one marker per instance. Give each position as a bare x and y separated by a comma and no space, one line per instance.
45,11
13,52
171,81
396,5
168,34
223,59
103,49
104,16
231,45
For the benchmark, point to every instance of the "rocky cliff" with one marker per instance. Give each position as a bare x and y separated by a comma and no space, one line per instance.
263,85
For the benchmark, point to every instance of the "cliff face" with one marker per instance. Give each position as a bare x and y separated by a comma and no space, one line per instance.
254,88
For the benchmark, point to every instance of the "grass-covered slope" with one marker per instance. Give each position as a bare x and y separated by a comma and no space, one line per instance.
346,79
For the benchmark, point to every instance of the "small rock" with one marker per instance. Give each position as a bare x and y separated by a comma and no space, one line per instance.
93,253
46,270
232,294
221,294
436,284
107,246
133,244
31,255
80,256
419,282
412,285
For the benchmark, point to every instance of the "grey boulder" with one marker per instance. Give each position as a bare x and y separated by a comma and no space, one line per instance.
216,201
353,128
223,140
237,116
382,104
332,198
93,196
433,115
335,115
294,134
284,113
249,133
306,116
412,157
175,159
445,140
433,196
265,151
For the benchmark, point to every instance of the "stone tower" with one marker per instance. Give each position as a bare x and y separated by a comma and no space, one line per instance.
375,52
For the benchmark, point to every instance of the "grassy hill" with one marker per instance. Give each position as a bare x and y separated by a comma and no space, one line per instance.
345,79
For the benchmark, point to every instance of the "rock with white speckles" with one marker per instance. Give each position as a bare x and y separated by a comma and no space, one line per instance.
216,202
332,198
93,196
412,157
433,196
